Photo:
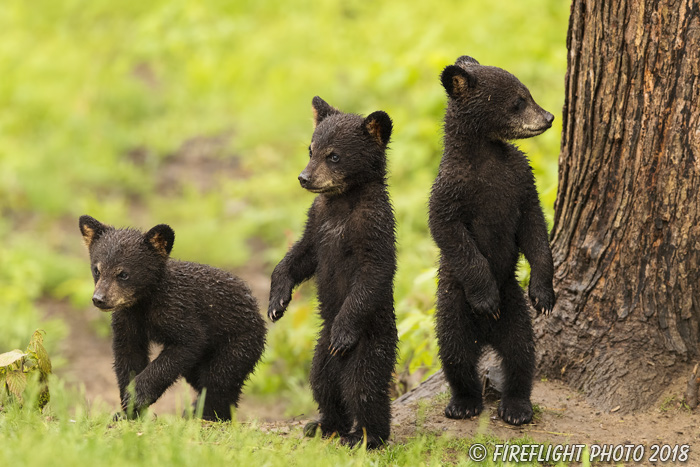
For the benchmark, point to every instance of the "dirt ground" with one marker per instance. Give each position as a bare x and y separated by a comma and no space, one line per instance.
562,416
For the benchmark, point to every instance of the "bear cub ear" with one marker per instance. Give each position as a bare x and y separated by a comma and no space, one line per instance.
322,109
457,81
378,124
161,239
92,229
466,60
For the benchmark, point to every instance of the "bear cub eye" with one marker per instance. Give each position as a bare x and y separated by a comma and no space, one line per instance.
333,157
95,272
122,276
519,104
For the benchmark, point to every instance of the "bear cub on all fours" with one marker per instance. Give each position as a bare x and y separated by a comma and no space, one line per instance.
484,211
349,246
206,319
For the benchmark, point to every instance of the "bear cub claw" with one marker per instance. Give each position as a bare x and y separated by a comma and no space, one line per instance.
515,411
460,408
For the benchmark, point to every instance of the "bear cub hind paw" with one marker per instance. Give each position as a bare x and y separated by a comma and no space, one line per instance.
460,408
515,411
311,428
357,438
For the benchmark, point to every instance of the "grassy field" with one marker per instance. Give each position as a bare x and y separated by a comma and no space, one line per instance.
113,108
69,434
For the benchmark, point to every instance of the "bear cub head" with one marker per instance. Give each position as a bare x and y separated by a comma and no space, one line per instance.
126,264
346,150
492,102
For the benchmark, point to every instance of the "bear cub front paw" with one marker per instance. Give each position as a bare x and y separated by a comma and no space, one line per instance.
542,298
280,296
343,339
485,305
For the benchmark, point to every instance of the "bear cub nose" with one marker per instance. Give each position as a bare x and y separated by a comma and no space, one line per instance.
98,301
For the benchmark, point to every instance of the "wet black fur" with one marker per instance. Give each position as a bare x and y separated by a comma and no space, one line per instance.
348,245
206,319
484,211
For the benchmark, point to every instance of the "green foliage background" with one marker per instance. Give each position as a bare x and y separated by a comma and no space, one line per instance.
86,85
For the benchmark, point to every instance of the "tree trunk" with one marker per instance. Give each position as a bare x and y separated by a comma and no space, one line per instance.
626,235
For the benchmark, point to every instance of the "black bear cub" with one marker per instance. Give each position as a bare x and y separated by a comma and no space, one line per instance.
349,246
484,211
206,319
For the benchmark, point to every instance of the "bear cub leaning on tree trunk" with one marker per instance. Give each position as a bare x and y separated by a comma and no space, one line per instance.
484,211
349,246
207,319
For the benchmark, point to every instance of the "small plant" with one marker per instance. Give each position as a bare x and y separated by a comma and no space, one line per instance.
17,367
674,402
424,406
668,403
537,413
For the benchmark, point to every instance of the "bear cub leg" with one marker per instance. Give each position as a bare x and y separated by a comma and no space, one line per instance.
459,351
466,400
334,417
518,356
518,366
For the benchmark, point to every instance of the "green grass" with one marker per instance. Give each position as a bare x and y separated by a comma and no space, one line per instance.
87,85
70,433
179,442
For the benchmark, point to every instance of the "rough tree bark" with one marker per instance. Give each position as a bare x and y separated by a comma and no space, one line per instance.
626,235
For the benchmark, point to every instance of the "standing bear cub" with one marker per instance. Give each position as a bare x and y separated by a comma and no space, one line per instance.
484,211
349,245
206,319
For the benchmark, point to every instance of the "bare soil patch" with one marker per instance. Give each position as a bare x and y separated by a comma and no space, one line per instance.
562,416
